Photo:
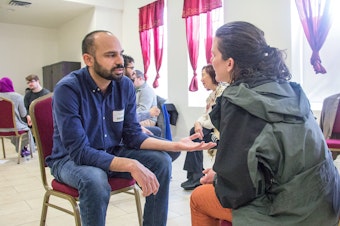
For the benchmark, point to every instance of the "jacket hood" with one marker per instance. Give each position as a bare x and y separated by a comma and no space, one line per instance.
272,101
6,85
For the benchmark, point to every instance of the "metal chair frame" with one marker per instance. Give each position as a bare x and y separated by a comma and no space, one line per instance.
40,127
8,126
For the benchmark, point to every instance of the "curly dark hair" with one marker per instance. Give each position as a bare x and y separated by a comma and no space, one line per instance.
253,57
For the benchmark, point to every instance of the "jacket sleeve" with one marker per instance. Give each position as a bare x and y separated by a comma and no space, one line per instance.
234,186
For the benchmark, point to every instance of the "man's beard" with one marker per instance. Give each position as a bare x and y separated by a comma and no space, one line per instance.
105,74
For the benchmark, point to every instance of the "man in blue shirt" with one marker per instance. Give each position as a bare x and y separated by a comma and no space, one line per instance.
96,135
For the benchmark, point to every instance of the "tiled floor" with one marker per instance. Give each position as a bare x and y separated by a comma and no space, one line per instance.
21,194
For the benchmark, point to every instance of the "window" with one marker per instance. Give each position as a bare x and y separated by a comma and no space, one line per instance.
198,98
316,86
162,89
148,21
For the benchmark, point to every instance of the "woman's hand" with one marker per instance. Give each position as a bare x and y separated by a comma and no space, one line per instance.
29,121
208,177
199,129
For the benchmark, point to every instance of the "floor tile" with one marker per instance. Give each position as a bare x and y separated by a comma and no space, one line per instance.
21,195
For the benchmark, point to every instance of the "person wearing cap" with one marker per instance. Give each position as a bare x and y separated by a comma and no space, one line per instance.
129,66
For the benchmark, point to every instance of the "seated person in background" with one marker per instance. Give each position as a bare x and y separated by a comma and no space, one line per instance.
272,166
329,112
35,91
146,100
129,67
129,71
7,91
194,160
147,110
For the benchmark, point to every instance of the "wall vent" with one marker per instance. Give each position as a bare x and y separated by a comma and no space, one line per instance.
19,3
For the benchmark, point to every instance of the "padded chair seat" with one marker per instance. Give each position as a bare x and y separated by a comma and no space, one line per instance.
333,143
115,183
58,186
12,133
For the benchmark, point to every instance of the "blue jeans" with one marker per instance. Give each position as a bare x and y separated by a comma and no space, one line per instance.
94,189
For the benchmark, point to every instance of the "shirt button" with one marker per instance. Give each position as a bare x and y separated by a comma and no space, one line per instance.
105,135
104,118
93,91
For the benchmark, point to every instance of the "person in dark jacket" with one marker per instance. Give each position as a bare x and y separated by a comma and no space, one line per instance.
35,90
272,165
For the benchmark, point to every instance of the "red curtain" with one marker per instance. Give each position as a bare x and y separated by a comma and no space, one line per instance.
192,25
144,37
151,21
191,11
316,22
209,38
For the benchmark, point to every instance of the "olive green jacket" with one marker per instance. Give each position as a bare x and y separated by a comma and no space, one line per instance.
273,165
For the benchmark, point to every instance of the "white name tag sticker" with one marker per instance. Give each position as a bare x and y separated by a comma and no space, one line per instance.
118,116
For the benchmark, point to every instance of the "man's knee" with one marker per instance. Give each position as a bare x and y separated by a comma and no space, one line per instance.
96,182
163,163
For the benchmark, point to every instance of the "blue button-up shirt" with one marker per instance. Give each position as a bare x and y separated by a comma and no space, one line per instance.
88,124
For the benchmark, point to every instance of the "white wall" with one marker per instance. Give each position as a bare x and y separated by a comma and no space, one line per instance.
56,45
24,50
27,49
70,36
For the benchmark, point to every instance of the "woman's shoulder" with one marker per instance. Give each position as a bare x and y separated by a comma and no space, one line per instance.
12,95
220,88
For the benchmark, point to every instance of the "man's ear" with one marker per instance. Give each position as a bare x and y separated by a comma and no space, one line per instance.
88,59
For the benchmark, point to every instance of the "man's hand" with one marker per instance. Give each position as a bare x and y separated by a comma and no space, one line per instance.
145,130
146,180
154,111
143,176
188,144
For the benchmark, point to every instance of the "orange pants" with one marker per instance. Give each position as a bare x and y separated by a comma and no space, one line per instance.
206,210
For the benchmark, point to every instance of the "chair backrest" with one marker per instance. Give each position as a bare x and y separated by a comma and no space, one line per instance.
42,126
7,118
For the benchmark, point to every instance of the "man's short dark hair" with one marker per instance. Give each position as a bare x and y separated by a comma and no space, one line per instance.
87,45
127,60
32,77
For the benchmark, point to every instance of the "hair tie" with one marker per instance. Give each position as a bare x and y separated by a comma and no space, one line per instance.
267,50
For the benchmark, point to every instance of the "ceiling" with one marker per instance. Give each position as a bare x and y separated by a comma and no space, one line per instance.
42,13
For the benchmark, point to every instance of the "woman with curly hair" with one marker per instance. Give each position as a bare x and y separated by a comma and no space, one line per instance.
272,166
